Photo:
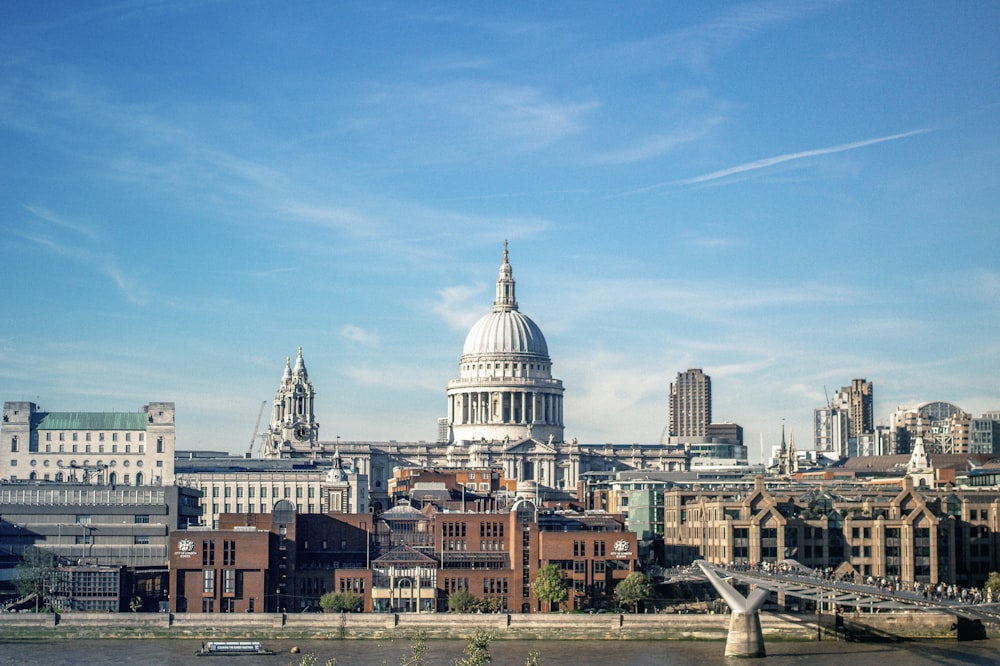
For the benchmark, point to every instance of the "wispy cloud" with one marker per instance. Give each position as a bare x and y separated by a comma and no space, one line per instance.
697,45
654,146
87,252
460,306
788,157
359,335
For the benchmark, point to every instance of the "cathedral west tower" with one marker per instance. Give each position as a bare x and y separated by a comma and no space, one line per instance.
505,391
293,426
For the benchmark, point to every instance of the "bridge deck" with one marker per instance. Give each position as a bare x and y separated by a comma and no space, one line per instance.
802,583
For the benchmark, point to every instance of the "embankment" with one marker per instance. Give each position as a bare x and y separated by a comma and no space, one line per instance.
276,626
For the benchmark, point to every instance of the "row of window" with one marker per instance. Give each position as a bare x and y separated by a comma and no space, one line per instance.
75,448
252,508
113,478
229,582
580,548
100,436
47,462
277,492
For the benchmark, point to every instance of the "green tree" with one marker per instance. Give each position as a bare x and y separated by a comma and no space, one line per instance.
477,652
462,601
993,584
418,648
550,586
35,574
636,587
341,602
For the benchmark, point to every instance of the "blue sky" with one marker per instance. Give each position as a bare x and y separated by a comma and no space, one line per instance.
785,194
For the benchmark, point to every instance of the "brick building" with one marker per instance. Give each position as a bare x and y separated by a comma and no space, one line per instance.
405,560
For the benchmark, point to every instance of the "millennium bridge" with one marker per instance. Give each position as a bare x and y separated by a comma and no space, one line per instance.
791,579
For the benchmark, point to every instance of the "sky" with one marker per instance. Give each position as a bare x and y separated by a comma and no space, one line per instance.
787,195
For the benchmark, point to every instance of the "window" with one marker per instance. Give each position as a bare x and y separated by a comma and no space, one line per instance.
141,519
228,553
83,519
229,581
208,581
159,445
13,444
141,541
208,552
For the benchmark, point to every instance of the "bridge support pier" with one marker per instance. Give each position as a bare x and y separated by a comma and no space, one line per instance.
745,637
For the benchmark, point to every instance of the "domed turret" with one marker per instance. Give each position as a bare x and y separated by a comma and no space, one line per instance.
505,330
506,391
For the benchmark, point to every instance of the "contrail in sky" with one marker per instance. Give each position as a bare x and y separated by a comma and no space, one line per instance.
771,161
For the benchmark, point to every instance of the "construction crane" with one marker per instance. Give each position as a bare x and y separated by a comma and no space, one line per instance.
256,430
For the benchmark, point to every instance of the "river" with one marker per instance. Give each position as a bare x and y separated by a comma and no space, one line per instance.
504,653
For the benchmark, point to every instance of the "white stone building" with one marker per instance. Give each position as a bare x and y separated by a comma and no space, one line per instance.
114,448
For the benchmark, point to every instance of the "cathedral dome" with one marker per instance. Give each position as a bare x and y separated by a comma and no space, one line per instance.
505,332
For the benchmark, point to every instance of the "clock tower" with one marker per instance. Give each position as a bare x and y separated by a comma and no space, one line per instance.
293,422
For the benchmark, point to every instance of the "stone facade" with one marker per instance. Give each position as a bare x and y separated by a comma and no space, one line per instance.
114,448
912,534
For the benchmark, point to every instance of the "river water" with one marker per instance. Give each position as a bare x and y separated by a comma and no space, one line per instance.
504,653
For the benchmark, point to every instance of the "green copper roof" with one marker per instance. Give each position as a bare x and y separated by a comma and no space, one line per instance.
93,421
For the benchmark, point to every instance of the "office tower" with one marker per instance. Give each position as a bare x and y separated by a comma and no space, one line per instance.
857,401
690,404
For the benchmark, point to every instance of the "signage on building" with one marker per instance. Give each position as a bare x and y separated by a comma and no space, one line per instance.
622,548
185,548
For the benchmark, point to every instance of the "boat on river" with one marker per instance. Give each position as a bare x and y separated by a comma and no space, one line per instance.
231,648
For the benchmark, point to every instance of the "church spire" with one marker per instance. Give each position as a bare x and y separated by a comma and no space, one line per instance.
505,286
300,366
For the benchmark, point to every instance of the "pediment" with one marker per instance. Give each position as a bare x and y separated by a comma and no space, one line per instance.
529,446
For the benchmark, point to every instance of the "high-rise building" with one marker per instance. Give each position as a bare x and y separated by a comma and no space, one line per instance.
848,418
690,404
857,401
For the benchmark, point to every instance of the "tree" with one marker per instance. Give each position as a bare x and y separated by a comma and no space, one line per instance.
418,648
35,574
462,601
341,602
993,583
550,586
636,587
478,650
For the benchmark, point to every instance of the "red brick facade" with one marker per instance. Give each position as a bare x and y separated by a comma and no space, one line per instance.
254,564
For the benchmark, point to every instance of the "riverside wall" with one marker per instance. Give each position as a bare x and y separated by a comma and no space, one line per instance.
381,626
